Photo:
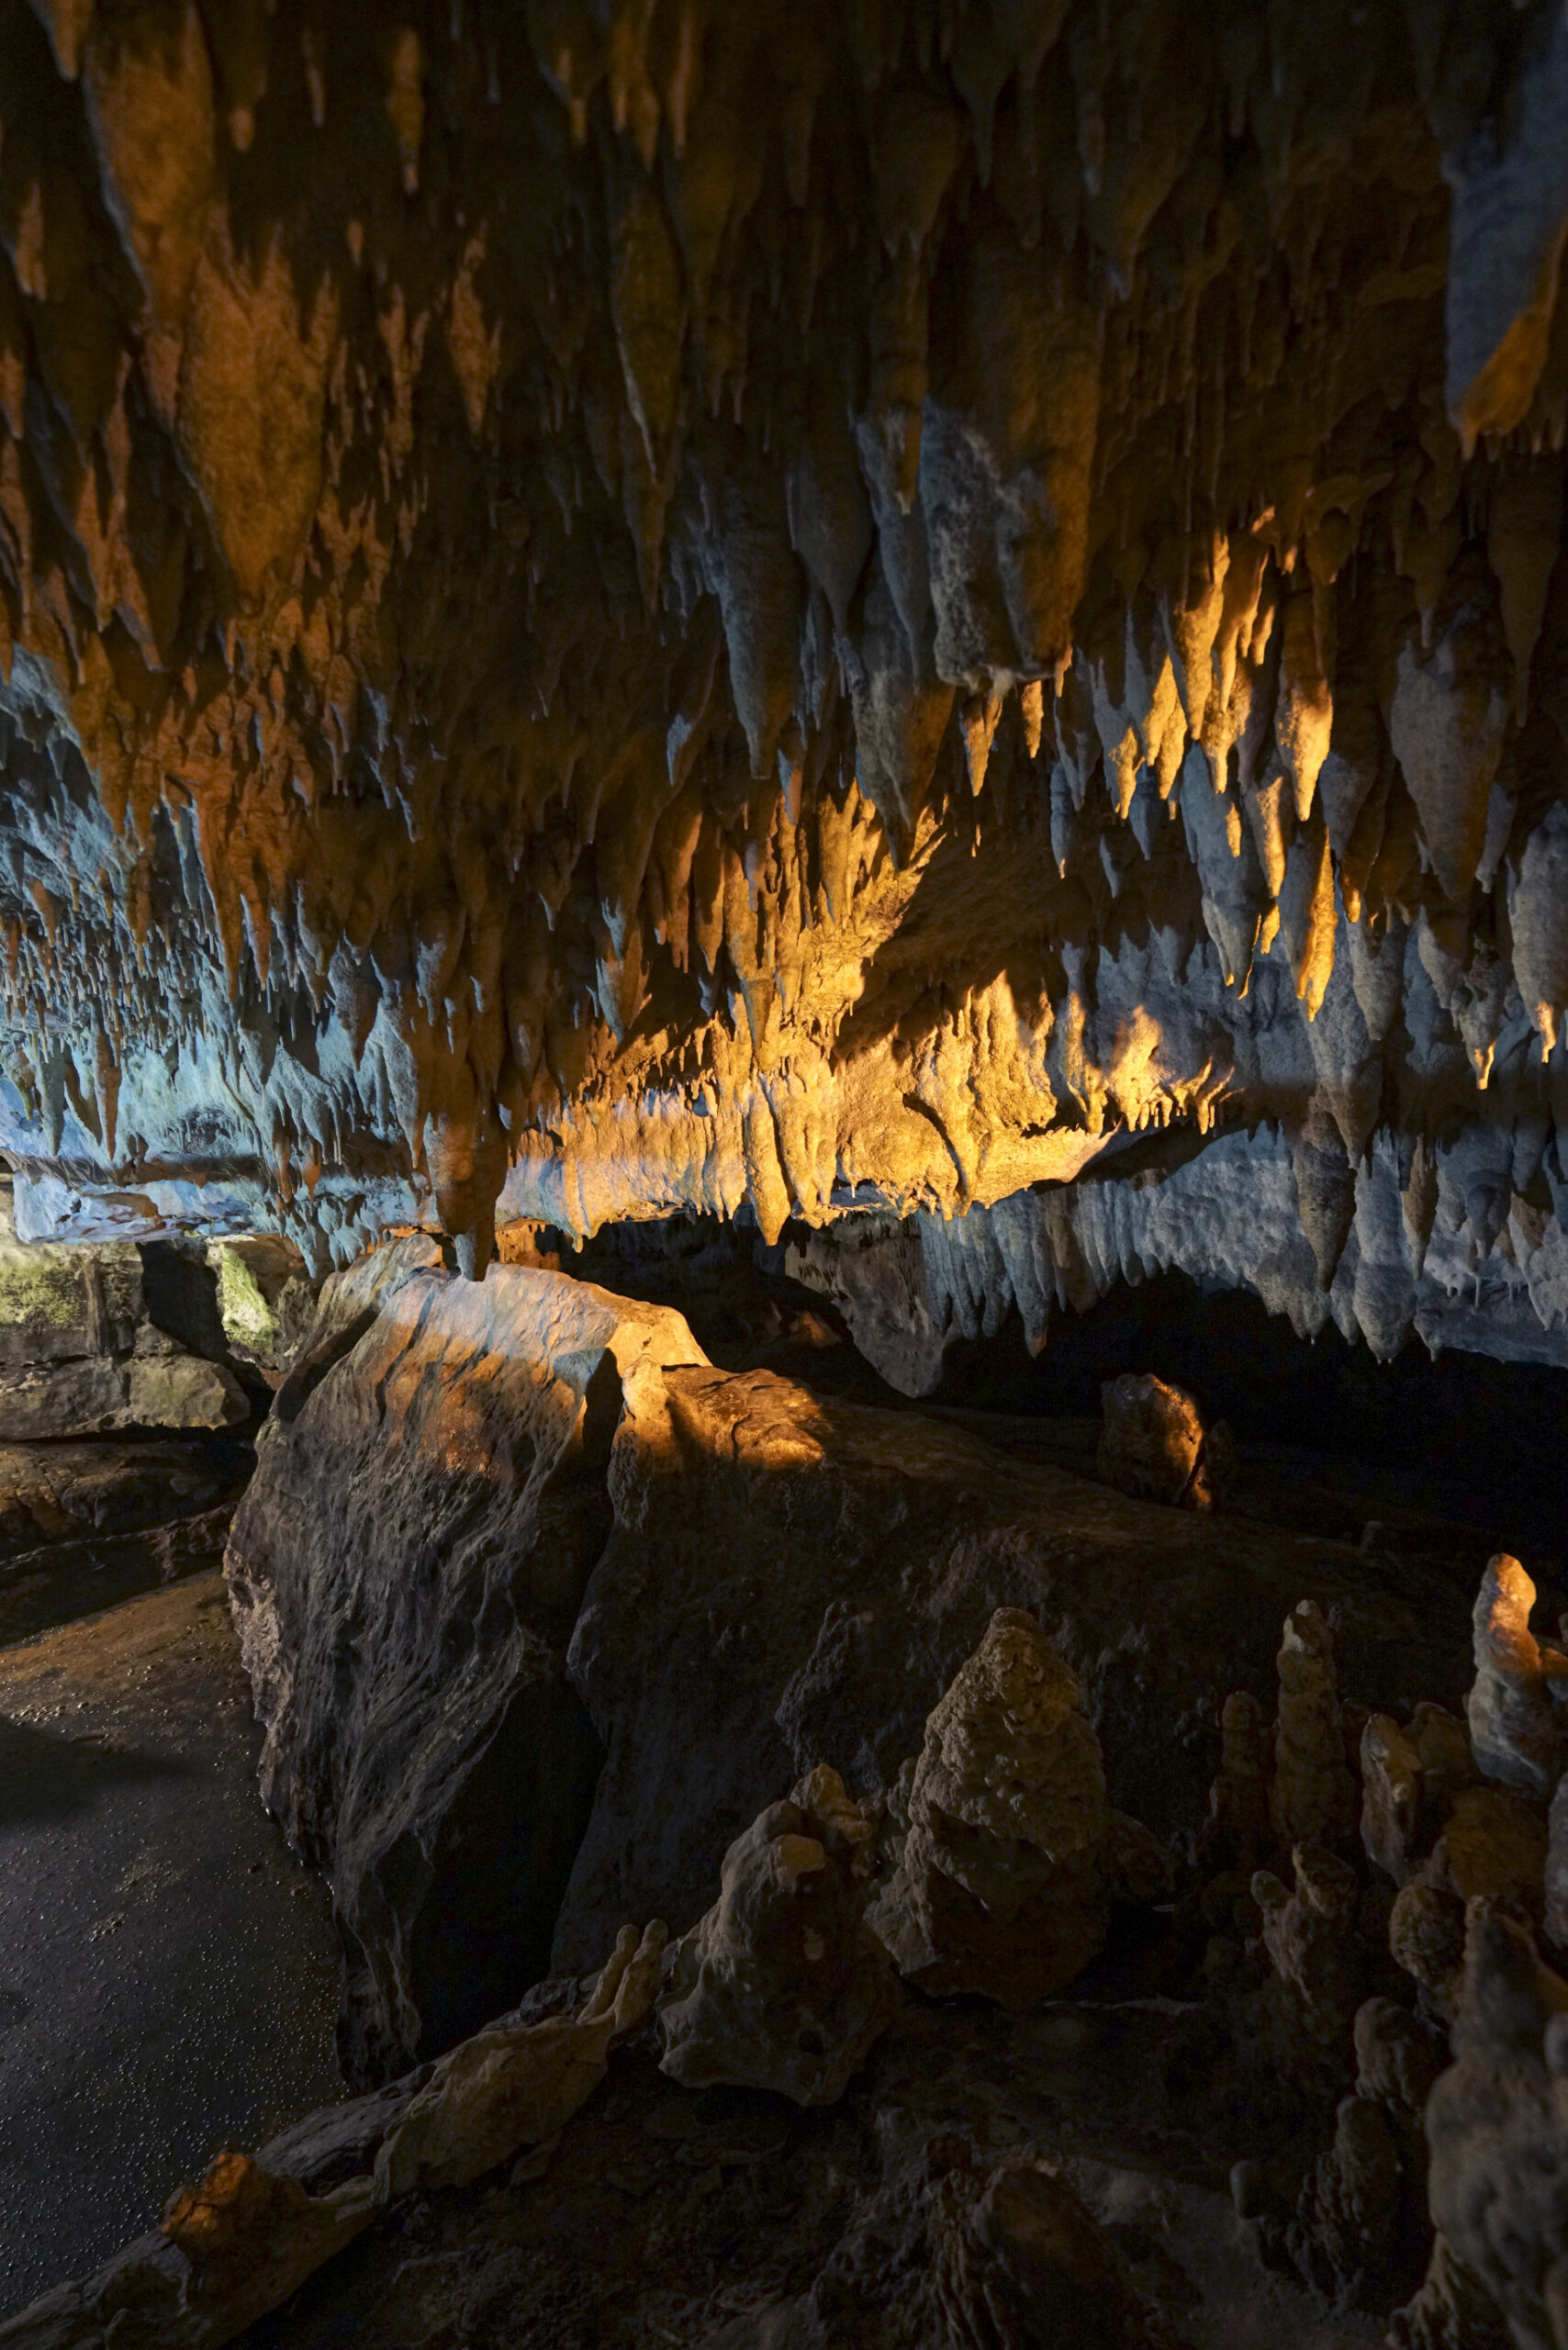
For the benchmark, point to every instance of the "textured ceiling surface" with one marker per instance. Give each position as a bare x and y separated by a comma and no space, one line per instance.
638,605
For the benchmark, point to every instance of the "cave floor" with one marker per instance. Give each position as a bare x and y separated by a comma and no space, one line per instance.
705,2220
168,1976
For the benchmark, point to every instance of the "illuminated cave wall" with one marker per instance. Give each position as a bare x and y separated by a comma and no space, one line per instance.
812,610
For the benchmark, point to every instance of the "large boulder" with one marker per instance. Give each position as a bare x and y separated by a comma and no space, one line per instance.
405,1571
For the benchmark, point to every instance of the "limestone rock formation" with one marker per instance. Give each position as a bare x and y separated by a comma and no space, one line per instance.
1555,1879
232,2247
1154,1443
502,1535
1393,1797
1415,1259
1427,1821
789,1577
836,611
1348,2214
405,1569
266,1299
83,1526
783,1986
517,2084
1312,1794
1359,2232
1238,1798
97,1340
1516,1705
955,2250
1494,2122
1008,1847
1426,1938
1310,1934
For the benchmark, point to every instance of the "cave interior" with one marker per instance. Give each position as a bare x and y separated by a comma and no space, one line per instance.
784,1232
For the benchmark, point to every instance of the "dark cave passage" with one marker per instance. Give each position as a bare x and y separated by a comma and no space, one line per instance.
1457,1442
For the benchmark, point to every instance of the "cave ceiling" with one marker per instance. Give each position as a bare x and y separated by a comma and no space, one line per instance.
621,607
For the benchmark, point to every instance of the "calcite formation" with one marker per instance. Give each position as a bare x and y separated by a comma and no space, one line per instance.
1370,2041
1154,1442
951,2249
518,2083
1499,2198
1521,1685
1312,1796
1009,1848
783,1986
240,2240
805,612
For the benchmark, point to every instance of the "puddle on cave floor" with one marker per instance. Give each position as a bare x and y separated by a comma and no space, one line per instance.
168,1976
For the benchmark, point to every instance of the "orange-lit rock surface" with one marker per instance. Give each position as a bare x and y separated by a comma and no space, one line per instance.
819,609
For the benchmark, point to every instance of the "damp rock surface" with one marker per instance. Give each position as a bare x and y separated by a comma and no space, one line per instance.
732,2219
83,1526
109,1337
168,1974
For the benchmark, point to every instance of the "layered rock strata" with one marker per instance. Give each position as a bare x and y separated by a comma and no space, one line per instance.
83,1526
115,1336
792,609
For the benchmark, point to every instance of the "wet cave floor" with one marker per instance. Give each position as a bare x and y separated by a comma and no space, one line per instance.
168,1974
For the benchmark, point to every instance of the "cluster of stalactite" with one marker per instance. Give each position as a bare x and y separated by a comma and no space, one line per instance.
807,604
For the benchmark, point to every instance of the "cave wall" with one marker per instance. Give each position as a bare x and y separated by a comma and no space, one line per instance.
816,613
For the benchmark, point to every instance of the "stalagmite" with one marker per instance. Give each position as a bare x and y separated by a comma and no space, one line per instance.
781,1985
1009,1848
